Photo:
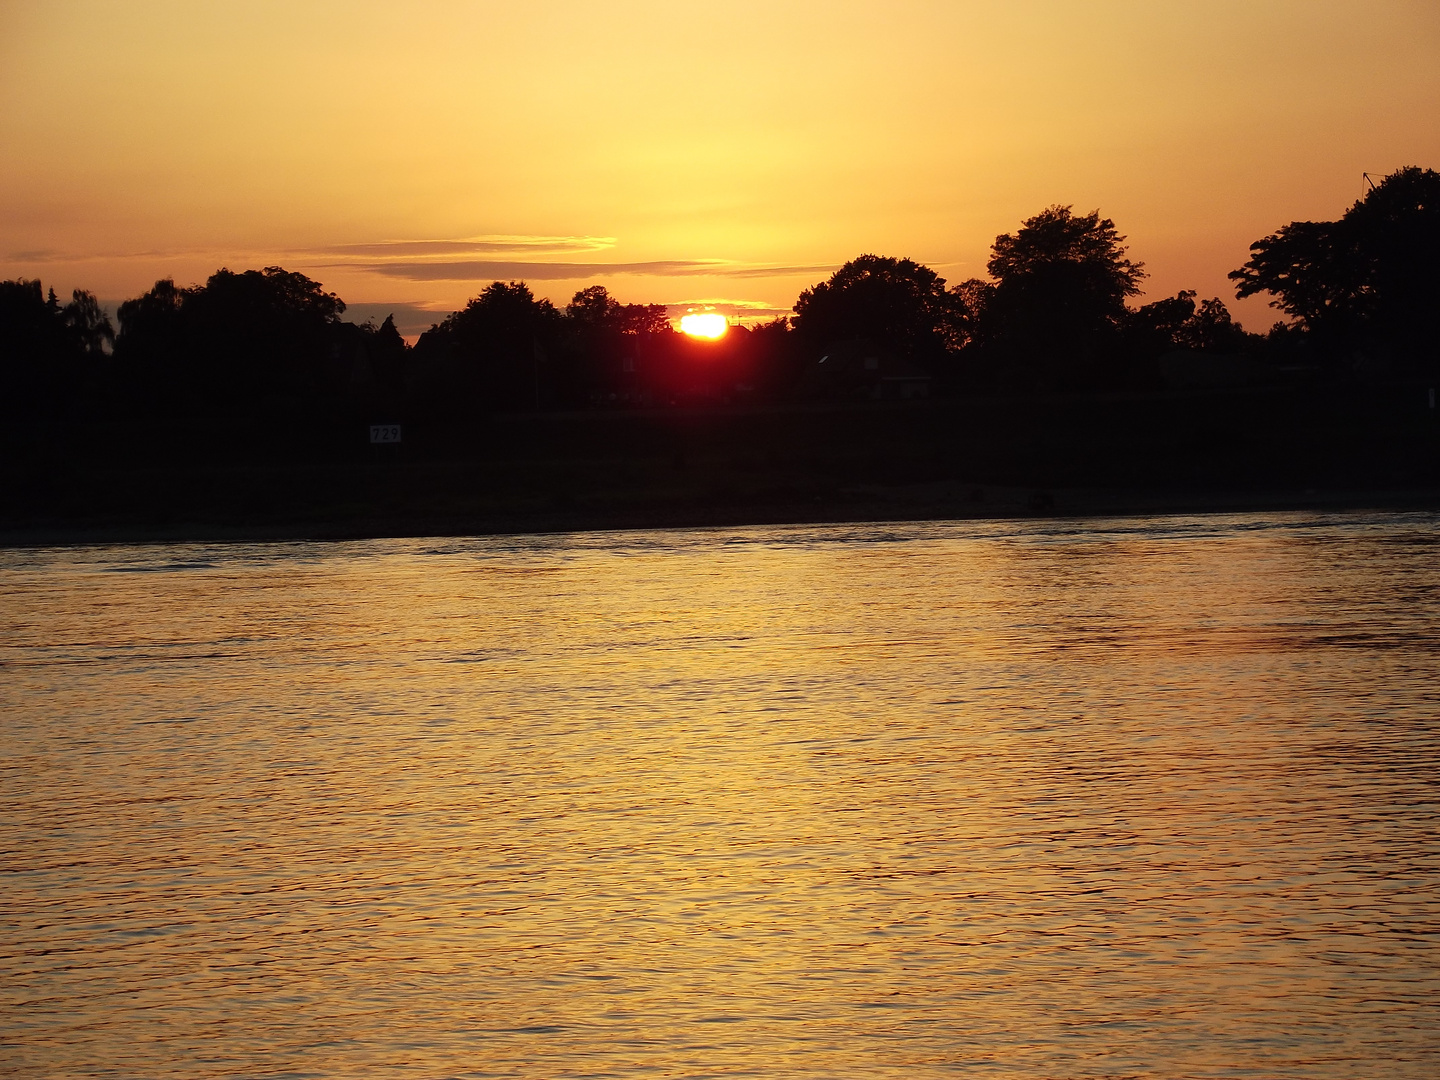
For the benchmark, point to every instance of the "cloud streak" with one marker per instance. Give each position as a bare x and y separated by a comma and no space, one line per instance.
480,245
752,310
492,270
381,249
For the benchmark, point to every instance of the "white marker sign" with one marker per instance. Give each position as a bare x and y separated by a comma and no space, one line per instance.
384,433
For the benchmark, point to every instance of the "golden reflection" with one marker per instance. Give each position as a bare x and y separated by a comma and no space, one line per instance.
810,802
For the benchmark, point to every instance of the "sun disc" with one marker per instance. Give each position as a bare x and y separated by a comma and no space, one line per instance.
708,325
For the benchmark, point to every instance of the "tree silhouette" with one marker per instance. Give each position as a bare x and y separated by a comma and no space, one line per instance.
897,303
388,341
32,343
152,316
49,354
1086,249
271,319
601,343
1161,323
1058,306
379,368
87,324
154,348
1366,283
971,299
1212,329
239,341
1177,322
492,353
594,310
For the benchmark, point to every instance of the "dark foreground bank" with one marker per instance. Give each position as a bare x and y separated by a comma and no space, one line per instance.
84,480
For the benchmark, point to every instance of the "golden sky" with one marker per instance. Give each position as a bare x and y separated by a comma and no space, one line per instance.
407,153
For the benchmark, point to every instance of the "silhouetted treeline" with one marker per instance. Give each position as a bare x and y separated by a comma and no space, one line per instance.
1363,289
48,350
1053,316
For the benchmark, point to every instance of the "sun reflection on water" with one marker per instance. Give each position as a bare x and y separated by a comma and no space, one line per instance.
897,800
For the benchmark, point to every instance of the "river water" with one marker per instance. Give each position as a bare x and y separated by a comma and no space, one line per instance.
1119,798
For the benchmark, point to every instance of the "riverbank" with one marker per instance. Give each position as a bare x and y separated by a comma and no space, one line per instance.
95,480
948,504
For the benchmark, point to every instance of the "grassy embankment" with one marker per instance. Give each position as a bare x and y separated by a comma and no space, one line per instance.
81,480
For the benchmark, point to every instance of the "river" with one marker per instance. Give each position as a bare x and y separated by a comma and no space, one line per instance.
1046,799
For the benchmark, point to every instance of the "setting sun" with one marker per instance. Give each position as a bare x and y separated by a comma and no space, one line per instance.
708,325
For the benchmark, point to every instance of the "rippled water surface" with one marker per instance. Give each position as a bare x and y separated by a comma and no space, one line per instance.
1128,798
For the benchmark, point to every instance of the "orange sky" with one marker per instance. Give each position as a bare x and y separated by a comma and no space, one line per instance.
406,154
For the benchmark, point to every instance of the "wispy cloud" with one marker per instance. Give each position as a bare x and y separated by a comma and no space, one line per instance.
43,256
490,270
540,258
479,245
149,255
736,309
777,271
366,252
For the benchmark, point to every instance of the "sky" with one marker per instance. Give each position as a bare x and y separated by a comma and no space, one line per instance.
406,154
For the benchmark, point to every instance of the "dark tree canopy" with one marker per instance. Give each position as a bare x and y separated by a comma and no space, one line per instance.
495,351
970,300
1087,250
1058,305
594,310
897,302
87,325
261,317
388,339
49,352
34,325
236,340
1177,322
1366,283
29,325
1053,316
1212,329
503,319
152,314
1164,321
384,359
156,343
255,304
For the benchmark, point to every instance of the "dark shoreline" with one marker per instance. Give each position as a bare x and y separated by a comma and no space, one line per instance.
997,506
98,480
